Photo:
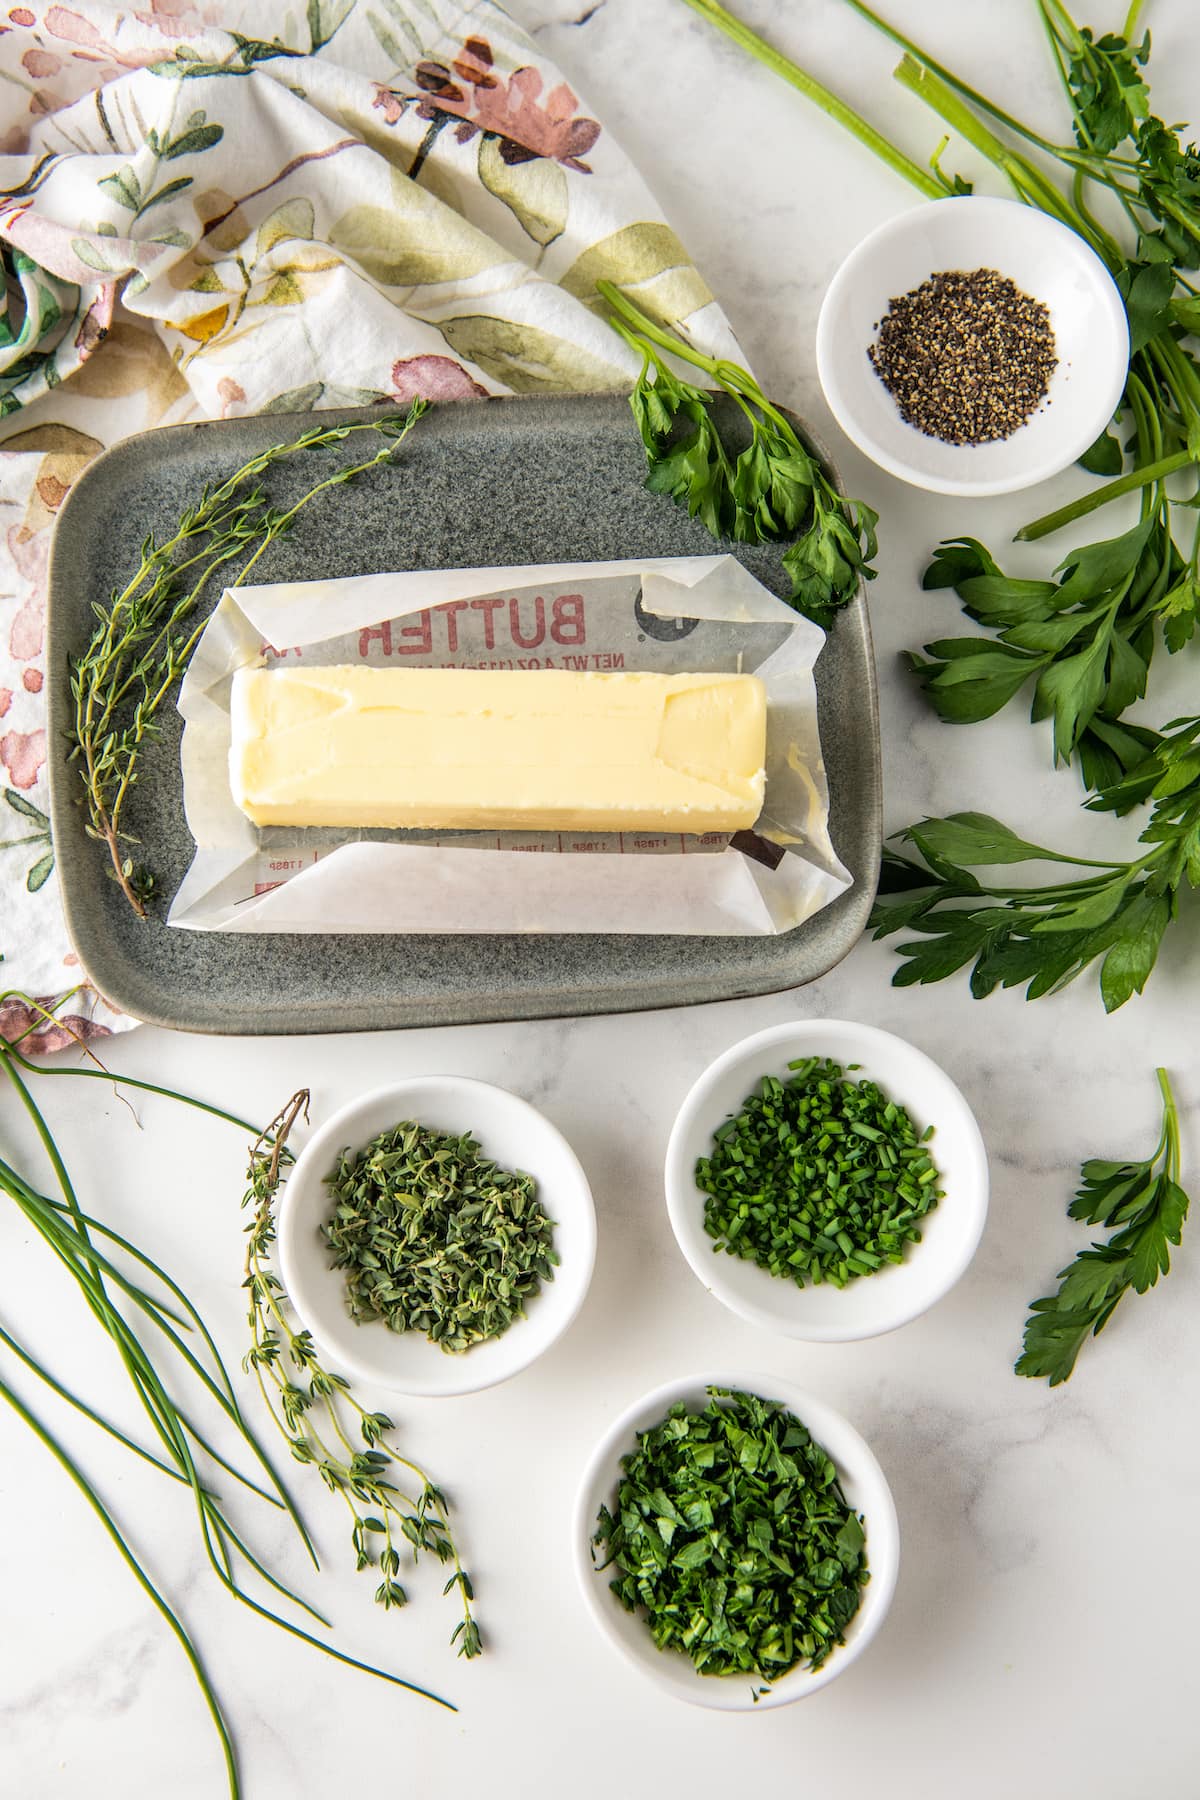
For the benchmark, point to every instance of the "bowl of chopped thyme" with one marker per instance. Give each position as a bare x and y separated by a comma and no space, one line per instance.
826,1180
437,1235
973,346
736,1540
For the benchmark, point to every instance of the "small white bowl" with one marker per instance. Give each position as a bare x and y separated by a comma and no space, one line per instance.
950,1233
866,1491
510,1132
1047,261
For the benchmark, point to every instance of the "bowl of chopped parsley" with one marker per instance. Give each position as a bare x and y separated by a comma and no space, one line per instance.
437,1236
736,1540
827,1180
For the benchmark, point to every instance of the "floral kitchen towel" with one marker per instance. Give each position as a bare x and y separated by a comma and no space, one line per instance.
252,206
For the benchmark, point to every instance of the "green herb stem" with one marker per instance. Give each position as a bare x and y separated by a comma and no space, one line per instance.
769,491
1111,490
821,96
1027,181
9,1052
85,1487
138,653
82,1407
305,1404
968,93
1131,20
66,1229
1046,936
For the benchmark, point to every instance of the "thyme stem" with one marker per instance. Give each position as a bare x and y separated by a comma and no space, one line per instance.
138,653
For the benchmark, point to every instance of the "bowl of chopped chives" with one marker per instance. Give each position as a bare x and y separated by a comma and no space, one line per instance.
826,1180
973,346
736,1540
436,1236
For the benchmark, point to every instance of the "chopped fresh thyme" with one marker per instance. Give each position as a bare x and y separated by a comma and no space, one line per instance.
436,1238
733,1536
818,1178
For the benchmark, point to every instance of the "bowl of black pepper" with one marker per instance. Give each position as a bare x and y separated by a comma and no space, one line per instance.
973,346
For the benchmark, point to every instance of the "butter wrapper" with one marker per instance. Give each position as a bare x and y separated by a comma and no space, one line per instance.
666,615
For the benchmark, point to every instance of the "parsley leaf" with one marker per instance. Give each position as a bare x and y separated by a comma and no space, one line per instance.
1109,91
1085,641
1146,1206
774,489
1041,937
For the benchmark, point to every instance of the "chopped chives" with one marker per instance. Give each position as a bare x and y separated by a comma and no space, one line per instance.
840,1177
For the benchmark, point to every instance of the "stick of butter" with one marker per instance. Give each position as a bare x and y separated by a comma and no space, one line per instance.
544,750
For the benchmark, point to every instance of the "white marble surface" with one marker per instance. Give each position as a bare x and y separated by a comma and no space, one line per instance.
1041,1638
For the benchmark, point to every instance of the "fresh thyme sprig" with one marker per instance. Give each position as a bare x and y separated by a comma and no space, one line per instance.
1116,914
774,490
308,1403
1147,1206
145,637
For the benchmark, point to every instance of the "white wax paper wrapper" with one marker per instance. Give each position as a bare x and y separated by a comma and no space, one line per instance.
670,615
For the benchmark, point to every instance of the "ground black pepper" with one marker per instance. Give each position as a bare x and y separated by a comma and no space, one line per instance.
966,356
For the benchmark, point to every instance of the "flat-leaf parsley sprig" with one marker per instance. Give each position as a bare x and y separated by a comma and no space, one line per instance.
145,636
1146,1207
317,1412
1115,913
773,490
1084,641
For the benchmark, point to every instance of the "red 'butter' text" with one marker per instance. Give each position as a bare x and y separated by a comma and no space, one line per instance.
505,622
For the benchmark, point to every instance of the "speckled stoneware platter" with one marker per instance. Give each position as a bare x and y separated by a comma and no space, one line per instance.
487,482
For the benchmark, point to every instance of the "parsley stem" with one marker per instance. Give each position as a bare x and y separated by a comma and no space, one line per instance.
1170,1137
939,69
1030,184
1096,231
829,103
1179,374
646,328
1111,490
738,383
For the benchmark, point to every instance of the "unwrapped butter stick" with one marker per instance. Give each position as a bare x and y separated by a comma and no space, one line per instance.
545,750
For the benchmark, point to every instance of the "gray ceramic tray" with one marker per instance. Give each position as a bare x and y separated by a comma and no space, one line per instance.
489,482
